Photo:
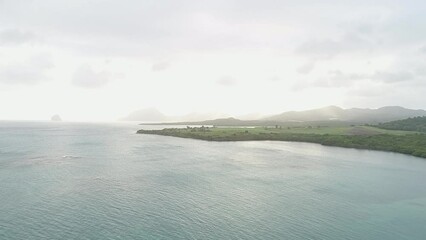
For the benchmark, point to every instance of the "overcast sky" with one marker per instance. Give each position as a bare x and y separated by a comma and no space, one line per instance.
99,60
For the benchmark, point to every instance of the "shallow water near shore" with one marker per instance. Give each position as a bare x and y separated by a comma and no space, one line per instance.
103,181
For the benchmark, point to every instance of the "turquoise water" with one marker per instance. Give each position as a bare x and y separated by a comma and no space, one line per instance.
103,181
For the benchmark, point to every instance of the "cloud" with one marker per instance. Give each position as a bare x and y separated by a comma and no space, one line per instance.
85,77
368,91
274,78
393,77
21,74
28,72
328,48
226,81
150,28
161,66
42,60
420,71
306,68
15,37
339,79
147,115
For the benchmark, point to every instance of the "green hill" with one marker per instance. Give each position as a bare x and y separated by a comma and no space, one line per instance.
417,124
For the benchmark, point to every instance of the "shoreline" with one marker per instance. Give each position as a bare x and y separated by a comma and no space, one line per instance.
409,144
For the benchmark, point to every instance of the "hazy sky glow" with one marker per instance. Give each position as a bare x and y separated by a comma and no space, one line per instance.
99,60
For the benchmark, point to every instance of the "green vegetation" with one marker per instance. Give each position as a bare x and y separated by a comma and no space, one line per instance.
411,124
361,137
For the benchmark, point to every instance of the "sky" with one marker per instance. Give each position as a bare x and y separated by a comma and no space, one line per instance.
99,60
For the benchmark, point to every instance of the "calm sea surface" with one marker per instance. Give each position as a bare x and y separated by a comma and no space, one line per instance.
103,181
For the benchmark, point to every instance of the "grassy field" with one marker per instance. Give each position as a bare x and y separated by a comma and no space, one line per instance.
362,137
353,130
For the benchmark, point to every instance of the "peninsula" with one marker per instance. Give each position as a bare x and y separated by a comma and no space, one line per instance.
360,137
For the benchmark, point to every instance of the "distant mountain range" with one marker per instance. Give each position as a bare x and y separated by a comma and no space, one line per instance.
359,115
152,115
331,115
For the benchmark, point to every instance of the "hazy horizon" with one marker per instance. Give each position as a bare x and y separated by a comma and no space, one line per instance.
153,115
102,60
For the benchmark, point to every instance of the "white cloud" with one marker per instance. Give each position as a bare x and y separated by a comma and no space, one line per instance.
338,79
15,37
21,74
42,61
160,66
226,81
86,77
306,68
328,48
29,72
393,77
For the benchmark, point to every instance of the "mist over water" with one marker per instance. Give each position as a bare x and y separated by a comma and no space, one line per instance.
103,181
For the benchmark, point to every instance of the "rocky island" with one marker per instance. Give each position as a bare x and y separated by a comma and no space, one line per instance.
56,118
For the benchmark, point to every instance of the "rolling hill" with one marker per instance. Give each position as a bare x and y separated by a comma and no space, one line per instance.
357,115
417,124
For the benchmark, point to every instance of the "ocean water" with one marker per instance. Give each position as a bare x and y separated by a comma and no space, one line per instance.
103,181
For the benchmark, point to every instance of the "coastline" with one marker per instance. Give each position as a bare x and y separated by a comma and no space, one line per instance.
410,144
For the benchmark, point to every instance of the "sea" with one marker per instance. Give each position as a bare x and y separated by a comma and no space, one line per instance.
92,181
